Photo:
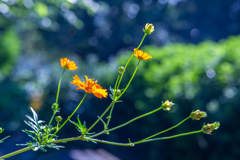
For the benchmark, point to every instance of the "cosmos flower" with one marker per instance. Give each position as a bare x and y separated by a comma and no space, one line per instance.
90,86
67,64
140,55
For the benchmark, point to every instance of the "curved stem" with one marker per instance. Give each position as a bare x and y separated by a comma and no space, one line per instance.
110,114
170,137
130,80
108,142
125,144
59,84
165,130
113,102
130,59
70,115
15,153
134,119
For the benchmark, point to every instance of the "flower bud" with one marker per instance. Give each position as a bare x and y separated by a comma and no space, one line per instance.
149,28
117,92
58,118
1,130
55,106
208,128
197,115
167,105
121,69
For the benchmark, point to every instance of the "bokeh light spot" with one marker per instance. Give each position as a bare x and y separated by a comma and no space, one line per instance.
210,73
194,33
46,22
4,8
212,106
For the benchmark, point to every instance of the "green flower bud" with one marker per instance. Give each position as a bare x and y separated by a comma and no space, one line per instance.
167,105
121,69
1,130
149,28
197,115
117,92
58,118
208,128
55,107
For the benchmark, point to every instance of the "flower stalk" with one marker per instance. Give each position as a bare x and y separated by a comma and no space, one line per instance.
70,115
164,130
101,116
55,105
129,80
129,60
130,121
15,153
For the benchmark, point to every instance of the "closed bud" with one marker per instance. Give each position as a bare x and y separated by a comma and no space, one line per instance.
55,107
58,118
208,128
1,130
117,92
197,115
149,28
121,69
167,105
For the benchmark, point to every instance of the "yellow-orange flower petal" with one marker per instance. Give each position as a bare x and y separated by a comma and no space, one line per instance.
140,55
67,64
90,86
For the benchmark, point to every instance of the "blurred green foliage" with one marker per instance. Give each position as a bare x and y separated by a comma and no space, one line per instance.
8,55
179,70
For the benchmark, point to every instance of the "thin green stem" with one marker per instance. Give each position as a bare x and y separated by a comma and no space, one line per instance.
113,102
170,137
130,80
110,114
134,119
59,84
91,139
114,95
51,119
70,115
166,129
130,59
124,144
15,153
108,142
115,87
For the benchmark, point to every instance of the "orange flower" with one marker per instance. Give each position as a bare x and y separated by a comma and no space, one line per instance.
90,86
141,55
67,64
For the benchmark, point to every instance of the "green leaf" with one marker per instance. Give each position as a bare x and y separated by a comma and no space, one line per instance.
79,122
1,141
35,116
44,150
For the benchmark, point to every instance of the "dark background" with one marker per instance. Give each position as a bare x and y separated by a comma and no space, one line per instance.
195,64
